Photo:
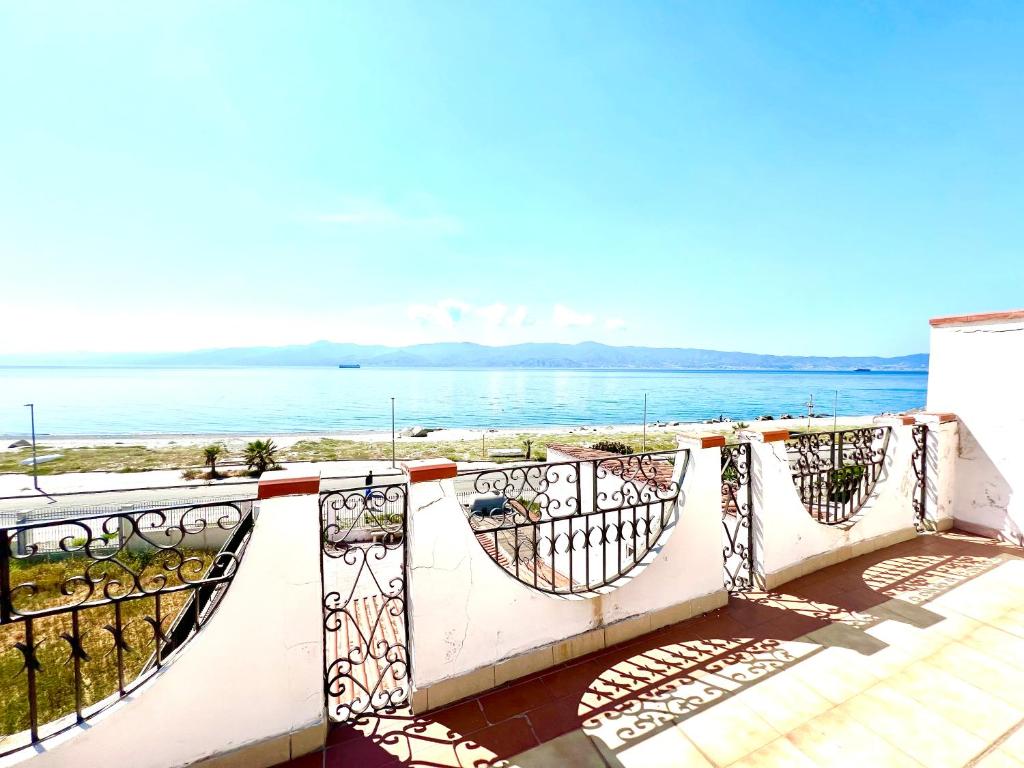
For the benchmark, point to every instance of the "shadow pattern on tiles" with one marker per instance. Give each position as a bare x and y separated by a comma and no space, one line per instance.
622,696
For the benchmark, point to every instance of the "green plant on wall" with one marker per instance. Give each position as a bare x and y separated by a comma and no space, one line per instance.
843,482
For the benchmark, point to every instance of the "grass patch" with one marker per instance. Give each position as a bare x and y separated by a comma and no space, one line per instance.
137,458
55,681
107,458
331,449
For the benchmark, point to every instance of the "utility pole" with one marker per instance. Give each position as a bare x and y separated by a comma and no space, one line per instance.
645,423
35,463
393,466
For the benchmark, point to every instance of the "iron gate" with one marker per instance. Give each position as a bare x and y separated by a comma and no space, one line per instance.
365,609
737,520
920,464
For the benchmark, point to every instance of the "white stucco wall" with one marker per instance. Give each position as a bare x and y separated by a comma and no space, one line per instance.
466,612
252,678
977,372
788,535
943,448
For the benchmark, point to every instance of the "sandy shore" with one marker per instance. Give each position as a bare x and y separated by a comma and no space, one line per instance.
238,442
19,484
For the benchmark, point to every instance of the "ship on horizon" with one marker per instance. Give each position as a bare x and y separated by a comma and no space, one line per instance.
349,365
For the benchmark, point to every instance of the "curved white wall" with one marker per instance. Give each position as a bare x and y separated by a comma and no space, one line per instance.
468,614
250,683
791,542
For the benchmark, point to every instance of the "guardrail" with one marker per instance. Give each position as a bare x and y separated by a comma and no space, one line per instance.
575,526
90,606
835,472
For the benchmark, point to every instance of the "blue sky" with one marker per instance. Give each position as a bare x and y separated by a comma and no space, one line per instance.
769,177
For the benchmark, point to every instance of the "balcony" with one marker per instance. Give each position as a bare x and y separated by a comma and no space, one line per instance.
910,655
845,597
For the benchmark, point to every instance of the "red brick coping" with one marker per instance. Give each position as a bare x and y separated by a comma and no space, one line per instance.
287,482
429,469
983,317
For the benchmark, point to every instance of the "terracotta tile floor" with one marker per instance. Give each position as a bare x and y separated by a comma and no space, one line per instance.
911,656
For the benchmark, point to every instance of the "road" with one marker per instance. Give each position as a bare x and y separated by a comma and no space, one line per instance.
351,475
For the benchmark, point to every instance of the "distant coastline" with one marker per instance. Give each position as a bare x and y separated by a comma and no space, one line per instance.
459,356
301,399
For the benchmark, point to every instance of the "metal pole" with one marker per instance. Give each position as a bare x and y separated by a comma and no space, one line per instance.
35,464
393,433
835,408
645,422
483,446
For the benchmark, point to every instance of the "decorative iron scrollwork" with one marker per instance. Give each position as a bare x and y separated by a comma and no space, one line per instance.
737,519
366,668
919,463
94,603
573,527
835,472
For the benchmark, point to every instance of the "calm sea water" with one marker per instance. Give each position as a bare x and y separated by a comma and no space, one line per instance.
123,401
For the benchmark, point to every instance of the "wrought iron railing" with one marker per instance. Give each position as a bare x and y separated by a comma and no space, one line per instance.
90,606
366,664
573,527
737,518
835,472
919,463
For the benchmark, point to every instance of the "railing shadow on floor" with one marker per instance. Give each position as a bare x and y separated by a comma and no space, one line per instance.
627,694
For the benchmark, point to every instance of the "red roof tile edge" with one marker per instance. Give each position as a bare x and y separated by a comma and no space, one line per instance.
981,317
619,465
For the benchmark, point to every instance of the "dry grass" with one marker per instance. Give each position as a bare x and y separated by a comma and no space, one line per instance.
55,681
137,458
330,449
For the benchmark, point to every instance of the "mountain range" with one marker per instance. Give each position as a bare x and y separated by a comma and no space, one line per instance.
467,355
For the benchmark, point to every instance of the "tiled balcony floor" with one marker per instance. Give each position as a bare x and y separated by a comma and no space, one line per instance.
911,656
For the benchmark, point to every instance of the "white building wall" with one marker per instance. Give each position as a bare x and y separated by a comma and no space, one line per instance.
977,372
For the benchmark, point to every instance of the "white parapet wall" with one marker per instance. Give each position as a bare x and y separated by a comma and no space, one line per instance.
247,690
474,626
791,543
976,371
942,449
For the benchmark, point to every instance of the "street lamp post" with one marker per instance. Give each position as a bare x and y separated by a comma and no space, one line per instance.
35,463
645,423
835,410
393,433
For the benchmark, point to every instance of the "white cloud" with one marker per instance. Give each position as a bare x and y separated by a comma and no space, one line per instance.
563,317
444,314
450,313
614,323
375,215
518,317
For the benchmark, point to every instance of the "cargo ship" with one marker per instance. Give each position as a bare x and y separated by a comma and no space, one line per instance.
348,365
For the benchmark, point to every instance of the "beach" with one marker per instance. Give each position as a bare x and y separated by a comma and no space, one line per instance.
339,455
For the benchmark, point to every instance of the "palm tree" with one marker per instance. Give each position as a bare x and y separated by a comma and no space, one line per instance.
210,455
260,455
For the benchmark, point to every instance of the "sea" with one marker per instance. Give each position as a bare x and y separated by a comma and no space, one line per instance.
75,402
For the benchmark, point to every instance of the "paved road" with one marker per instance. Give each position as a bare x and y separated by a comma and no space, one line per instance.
166,496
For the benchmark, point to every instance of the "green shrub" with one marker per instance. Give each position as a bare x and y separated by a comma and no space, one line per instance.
612,446
843,482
